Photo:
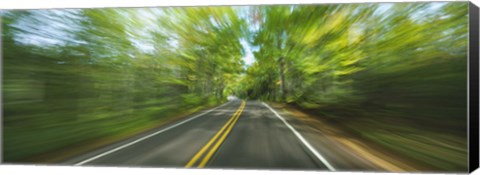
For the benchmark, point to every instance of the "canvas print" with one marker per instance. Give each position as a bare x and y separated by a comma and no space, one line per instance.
323,87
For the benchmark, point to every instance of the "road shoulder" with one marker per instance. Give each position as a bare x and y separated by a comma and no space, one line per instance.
335,138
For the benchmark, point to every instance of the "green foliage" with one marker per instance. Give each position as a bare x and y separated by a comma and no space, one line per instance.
100,76
370,68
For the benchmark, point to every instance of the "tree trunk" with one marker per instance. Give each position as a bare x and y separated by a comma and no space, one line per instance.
283,90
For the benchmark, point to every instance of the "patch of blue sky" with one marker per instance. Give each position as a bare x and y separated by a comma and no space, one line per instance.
248,58
46,28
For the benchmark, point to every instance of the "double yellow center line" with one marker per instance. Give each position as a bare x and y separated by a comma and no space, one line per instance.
216,141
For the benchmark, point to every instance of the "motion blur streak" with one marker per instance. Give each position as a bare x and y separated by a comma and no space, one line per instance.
392,76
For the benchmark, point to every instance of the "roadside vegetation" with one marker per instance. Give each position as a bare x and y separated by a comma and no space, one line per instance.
70,76
396,77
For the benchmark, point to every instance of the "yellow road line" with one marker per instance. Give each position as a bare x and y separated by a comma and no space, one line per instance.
220,141
204,148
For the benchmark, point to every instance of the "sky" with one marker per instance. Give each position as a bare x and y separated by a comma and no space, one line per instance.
249,58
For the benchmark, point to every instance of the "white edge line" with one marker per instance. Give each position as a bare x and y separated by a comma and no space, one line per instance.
302,139
148,136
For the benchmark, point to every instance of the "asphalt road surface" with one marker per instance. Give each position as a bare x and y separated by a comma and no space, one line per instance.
237,134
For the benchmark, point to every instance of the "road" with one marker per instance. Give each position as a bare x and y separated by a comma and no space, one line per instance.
237,134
